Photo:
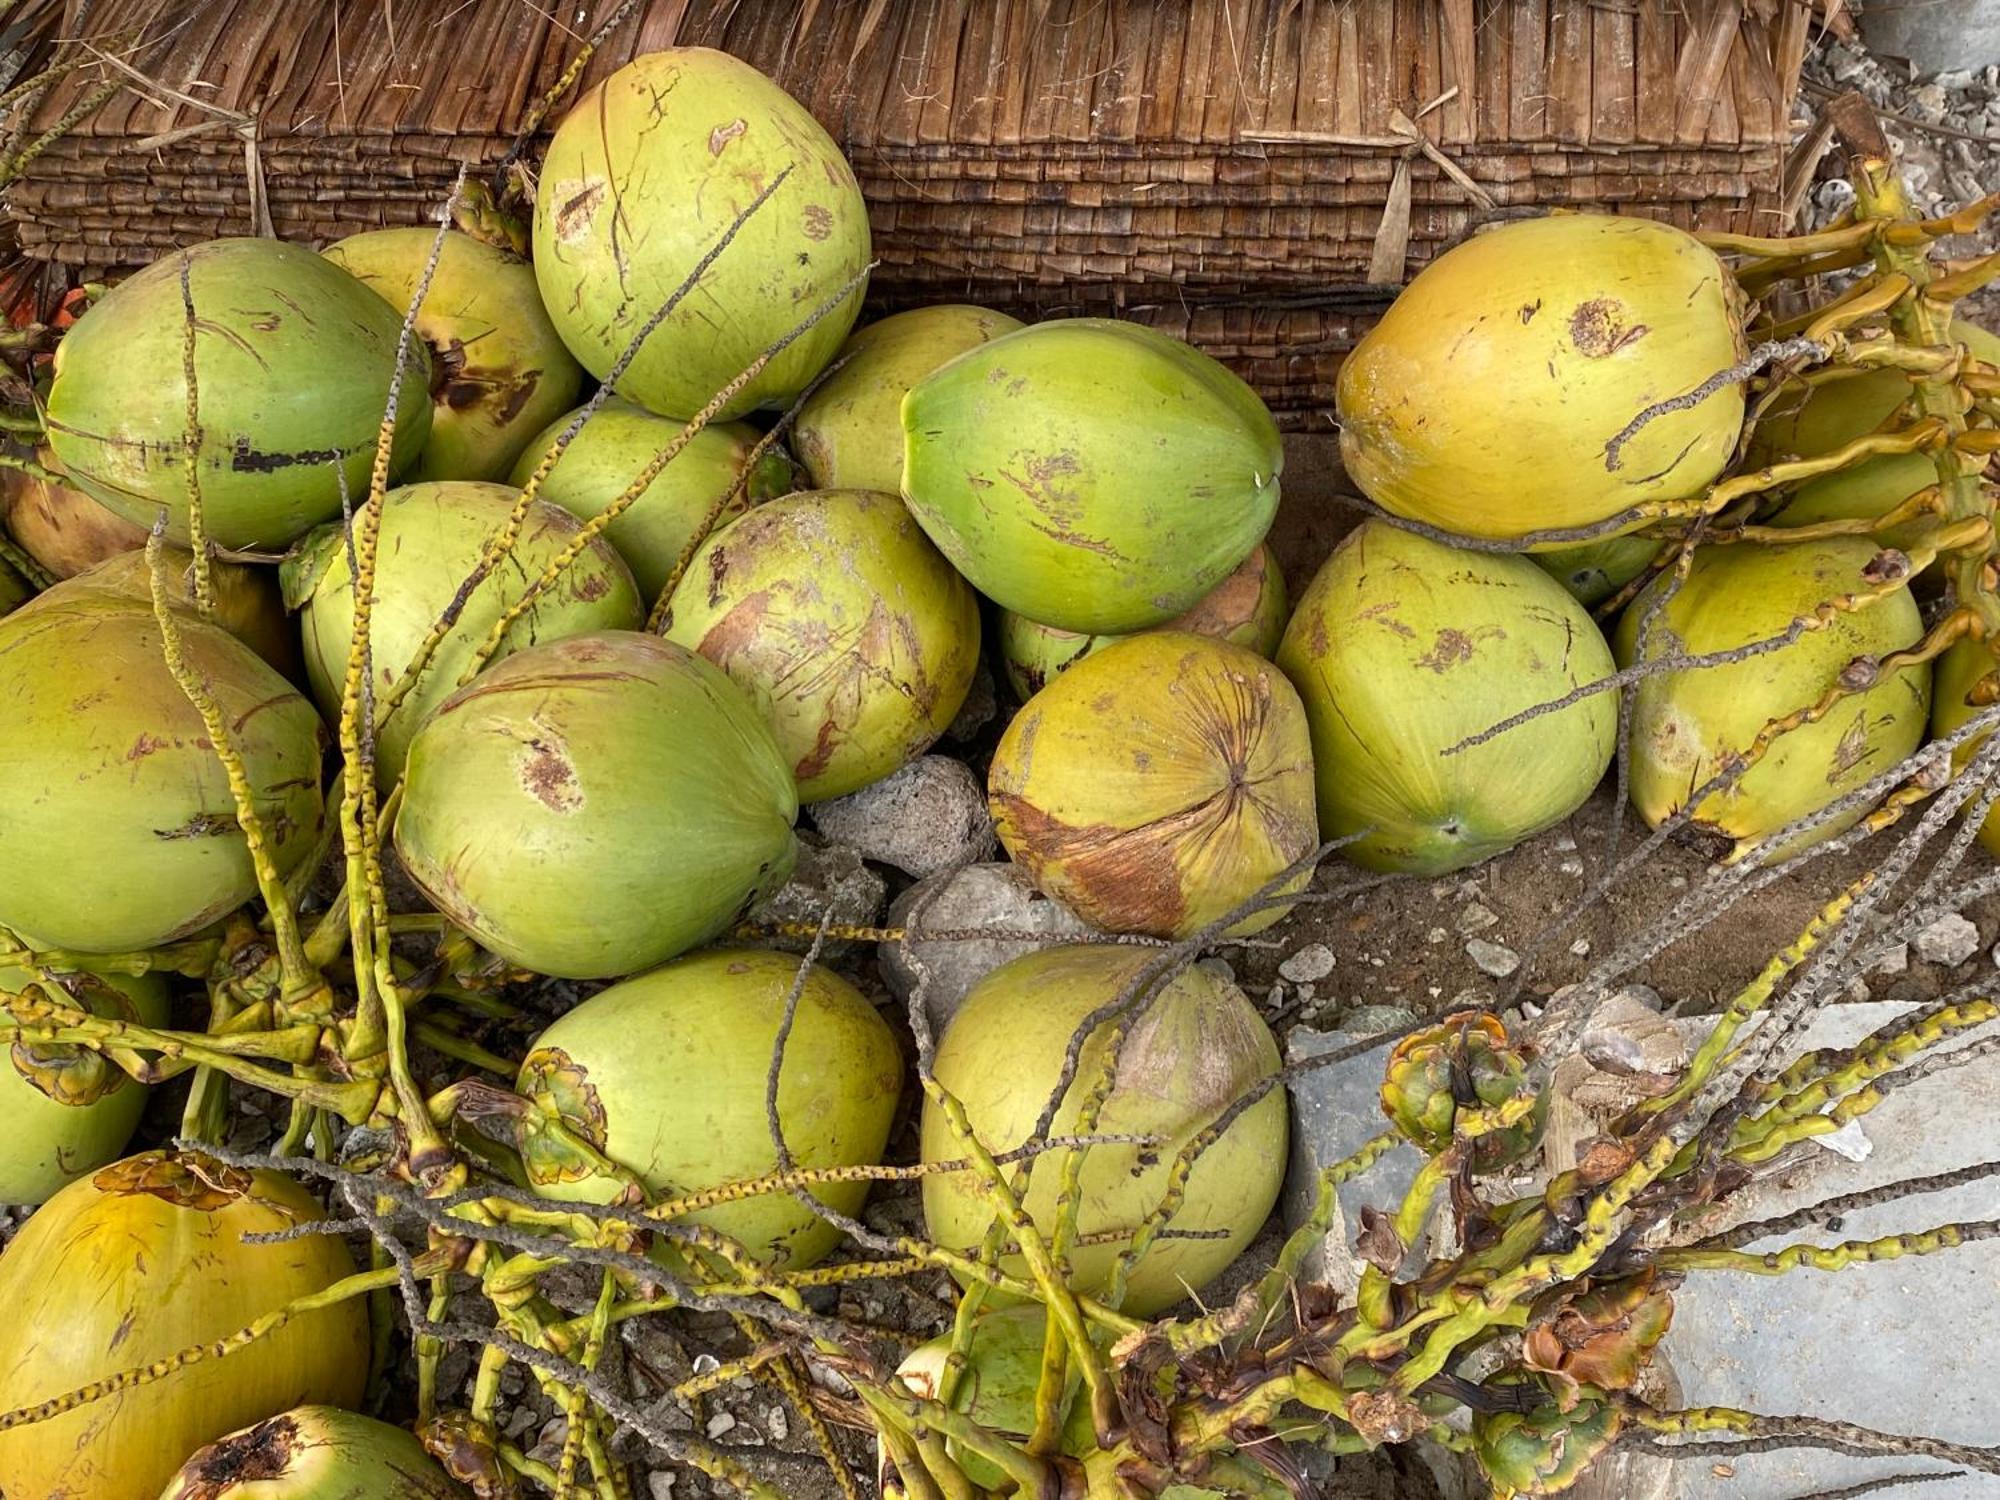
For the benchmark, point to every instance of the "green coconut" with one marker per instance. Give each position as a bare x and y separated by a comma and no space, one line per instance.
1193,1051
14,589
1248,609
249,604
1403,647
612,449
68,1110
834,608
1488,398
1093,475
1158,784
1595,571
293,363
642,179
686,1111
432,536
498,370
1687,721
597,805
849,432
118,831
314,1453
128,1267
1959,671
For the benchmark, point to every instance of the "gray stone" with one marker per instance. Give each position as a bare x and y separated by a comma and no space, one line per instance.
927,817
1373,1020
1950,941
660,1484
828,876
1934,35
1476,918
1896,961
1310,963
1496,959
978,710
1887,1345
978,896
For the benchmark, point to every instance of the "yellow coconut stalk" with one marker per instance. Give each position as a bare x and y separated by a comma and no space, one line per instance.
1158,784
1488,398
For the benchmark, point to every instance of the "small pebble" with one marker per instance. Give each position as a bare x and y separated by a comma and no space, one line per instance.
720,1423
1314,961
1565,844
779,1424
1476,918
660,1484
1949,941
1581,947
1571,866
1436,935
1492,958
1897,960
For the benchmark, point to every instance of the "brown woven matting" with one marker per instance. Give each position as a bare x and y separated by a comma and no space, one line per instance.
1220,167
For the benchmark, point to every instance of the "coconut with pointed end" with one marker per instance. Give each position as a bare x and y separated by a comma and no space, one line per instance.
293,363
1402,648
1189,1052
1090,474
1158,785
849,432
686,1111
616,445
1688,722
1493,398
644,176
314,1453
432,537
834,608
498,370
597,805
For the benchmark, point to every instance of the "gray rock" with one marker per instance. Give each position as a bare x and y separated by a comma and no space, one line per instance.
1963,34
1496,959
1310,963
1476,918
660,1484
927,817
1373,1020
1950,941
978,896
1896,961
981,705
827,876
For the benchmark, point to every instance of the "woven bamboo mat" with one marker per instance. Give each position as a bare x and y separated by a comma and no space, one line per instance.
1225,168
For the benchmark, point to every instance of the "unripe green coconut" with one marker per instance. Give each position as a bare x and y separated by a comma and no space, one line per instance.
1686,721
685,1111
1403,647
1959,671
68,1110
1594,571
1093,475
849,433
119,831
314,1453
642,179
1248,609
136,1263
1488,398
249,604
1189,1054
597,805
833,607
616,445
293,363
498,370
1159,784
432,536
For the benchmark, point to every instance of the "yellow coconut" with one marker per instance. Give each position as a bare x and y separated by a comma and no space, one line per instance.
1158,784
1959,671
249,604
1489,399
1687,721
60,526
1248,608
1192,1051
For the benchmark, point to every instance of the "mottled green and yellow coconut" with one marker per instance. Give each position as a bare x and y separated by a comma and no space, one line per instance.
69,1110
1687,721
248,602
642,179
1195,1049
136,1263
498,370
1490,398
615,446
1594,571
1402,648
432,537
849,432
57,524
1158,784
293,363
834,608
1093,475
686,1111
119,831
1959,671
1248,608
314,1453
597,805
